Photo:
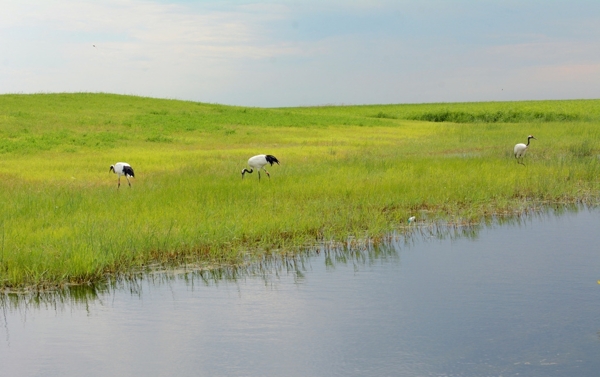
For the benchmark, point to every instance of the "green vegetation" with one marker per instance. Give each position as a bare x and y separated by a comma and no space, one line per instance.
345,171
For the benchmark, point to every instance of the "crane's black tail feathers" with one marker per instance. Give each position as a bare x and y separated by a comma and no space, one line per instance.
128,171
272,159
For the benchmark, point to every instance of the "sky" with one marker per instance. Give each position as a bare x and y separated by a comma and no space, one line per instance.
303,53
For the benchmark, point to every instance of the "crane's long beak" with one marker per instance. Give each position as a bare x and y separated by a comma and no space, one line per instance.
111,169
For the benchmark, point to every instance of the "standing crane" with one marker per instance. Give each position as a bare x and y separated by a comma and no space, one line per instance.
521,149
258,162
122,168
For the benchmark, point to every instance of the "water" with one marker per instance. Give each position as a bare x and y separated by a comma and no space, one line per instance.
504,300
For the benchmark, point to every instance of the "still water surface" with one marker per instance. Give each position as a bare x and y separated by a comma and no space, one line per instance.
515,299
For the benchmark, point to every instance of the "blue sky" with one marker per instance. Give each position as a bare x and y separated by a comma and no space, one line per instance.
298,53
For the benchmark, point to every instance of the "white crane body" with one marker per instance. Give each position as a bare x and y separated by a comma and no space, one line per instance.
520,150
259,162
122,168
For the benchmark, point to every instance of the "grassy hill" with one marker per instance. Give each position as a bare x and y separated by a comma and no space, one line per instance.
345,171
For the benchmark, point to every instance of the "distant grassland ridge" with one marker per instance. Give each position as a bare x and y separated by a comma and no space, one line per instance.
496,112
495,117
347,172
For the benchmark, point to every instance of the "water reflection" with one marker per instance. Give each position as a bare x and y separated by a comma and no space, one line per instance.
73,296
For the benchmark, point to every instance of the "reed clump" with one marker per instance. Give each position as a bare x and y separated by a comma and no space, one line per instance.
346,172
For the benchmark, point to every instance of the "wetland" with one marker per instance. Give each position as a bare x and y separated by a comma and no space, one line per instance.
516,297
347,172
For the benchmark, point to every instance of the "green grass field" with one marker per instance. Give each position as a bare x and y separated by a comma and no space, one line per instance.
345,171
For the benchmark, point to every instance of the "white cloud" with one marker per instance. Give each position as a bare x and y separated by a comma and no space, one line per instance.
139,46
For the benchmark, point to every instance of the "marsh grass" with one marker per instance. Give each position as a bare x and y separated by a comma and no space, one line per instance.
346,172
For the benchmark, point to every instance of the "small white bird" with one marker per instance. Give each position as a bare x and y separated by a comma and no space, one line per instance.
259,162
411,220
521,149
122,168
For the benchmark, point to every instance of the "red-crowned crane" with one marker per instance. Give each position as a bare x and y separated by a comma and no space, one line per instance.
122,168
521,149
259,162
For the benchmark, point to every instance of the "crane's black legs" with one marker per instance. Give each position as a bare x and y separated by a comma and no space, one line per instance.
257,171
119,182
268,175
